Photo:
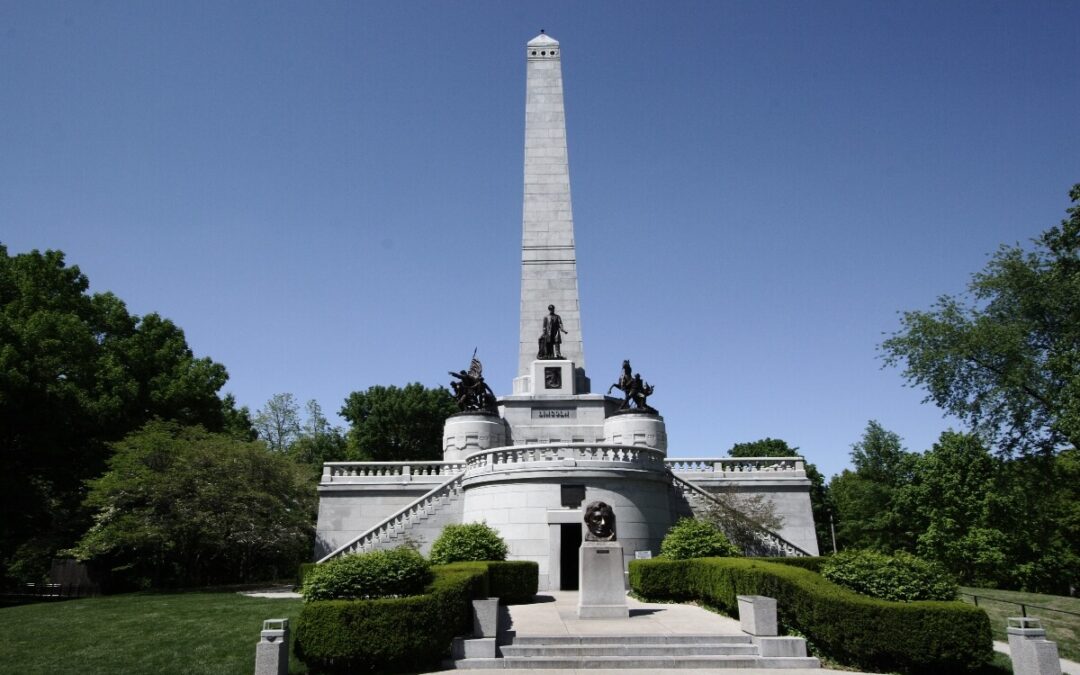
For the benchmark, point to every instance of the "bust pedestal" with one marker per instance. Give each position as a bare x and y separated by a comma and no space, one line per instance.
600,575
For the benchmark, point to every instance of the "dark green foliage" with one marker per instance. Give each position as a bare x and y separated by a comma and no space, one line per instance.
692,538
302,572
901,577
391,424
77,371
397,634
376,574
912,637
468,542
180,506
513,582
812,563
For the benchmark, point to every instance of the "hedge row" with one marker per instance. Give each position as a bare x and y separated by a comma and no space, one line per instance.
411,633
913,637
812,563
513,582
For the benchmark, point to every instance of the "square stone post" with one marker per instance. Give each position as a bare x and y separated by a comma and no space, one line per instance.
1030,651
272,650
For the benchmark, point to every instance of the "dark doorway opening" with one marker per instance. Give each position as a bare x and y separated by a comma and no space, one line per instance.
568,558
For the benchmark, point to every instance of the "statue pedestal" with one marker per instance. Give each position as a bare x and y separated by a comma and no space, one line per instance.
634,427
600,575
468,432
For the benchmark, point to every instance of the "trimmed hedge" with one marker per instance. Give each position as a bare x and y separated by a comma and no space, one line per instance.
913,637
392,634
901,576
513,582
407,634
396,572
812,563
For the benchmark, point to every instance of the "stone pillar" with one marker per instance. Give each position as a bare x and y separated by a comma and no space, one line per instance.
1030,651
272,650
602,593
468,432
548,257
757,615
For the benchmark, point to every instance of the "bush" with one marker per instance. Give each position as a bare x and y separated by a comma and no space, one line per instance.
468,542
692,538
302,572
378,574
901,577
397,634
853,629
513,582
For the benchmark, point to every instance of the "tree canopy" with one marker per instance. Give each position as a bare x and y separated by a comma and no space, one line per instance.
77,371
183,506
395,424
1006,358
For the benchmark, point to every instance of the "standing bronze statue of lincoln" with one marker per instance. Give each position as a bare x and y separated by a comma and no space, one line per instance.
551,337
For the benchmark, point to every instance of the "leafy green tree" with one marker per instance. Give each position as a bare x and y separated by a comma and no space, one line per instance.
183,506
77,371
397,424
955,493
319,442
278,422
819,495
1006,359
868,515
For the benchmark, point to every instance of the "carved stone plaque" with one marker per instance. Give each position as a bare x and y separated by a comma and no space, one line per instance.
552,378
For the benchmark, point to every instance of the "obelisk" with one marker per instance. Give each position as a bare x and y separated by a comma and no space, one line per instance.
548,261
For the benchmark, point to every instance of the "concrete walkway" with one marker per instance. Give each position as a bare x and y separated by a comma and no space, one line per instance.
555,613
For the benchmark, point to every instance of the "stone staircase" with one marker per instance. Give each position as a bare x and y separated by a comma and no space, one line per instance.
760,542
419,522
634,651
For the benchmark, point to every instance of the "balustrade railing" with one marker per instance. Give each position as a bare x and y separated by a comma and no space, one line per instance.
497,459
736,465
346,471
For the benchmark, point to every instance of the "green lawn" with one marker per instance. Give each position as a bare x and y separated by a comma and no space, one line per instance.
140,633
1061,628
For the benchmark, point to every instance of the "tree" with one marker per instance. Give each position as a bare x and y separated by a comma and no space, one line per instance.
954,493
77,371
865,500
1006,359
319,442
278,422
819,496
397,424
183,506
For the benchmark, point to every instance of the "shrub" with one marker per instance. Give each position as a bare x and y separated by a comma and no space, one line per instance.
692,538
513,582
468,542
394,634
901,577
378,574
302,572
853,629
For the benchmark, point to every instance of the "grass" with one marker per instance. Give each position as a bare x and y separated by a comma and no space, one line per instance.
194,632
1061,628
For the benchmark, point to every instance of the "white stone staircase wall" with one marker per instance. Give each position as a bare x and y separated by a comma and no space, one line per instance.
418,523
688,497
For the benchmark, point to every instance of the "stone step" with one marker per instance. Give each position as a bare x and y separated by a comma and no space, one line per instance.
655,662
683,639
672,650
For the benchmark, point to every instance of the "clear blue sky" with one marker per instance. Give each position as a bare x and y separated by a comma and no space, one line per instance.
327,196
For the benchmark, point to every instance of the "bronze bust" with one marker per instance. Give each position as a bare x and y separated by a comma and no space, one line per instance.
600,522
